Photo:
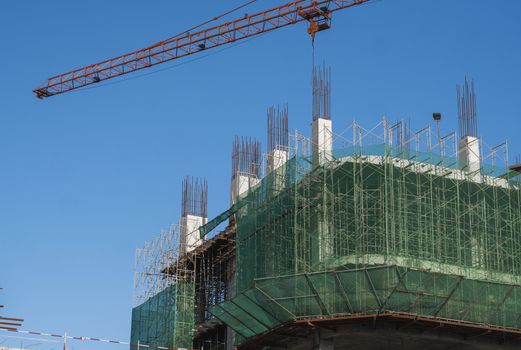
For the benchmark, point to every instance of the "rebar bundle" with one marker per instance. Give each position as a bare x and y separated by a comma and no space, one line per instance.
321,92
195,197
278,135
246,156
467,109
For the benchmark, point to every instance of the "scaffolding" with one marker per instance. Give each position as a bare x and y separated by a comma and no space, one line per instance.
164,293
393,223
175,286
390,224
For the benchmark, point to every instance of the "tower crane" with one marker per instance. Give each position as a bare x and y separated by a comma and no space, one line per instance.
316,12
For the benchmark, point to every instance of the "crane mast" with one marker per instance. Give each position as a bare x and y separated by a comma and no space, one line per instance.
317,13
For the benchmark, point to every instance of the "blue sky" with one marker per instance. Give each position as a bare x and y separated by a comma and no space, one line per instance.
87,177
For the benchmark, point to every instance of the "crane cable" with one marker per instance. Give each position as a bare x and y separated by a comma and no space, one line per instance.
213,19
198,26
198,58
185,62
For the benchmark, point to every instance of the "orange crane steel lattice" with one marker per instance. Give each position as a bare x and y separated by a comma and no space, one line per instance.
317,13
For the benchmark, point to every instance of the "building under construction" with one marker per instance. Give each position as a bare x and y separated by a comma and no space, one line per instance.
382,237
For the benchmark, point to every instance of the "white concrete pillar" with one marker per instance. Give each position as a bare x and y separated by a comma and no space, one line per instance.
470,162
241,183
276,159
190,236
477,252
322,138
469,156
275,170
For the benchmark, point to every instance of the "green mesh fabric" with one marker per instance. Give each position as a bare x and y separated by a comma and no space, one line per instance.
373,290
373,230
212,224
185,315
371,208
153,321
166,319
356,212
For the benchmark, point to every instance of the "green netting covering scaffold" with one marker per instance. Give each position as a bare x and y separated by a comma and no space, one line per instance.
166,319
164,295
272,302
451,234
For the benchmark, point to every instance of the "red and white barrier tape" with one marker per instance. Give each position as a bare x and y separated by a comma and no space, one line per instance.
63,336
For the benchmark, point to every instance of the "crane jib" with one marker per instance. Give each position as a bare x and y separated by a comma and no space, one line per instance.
317,13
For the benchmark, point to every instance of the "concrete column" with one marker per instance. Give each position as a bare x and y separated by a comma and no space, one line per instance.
470,162
189,237
276,171
241,183
469,156
276,159
322,138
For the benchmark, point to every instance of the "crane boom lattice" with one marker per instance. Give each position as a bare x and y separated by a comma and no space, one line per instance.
317,13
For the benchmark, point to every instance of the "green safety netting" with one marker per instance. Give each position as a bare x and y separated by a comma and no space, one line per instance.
152,320
373,229
375,290
166,319
360,210
374,206
212,224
